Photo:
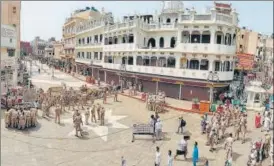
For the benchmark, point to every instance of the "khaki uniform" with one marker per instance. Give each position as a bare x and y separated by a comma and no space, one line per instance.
223,126
77,124
92,111
98,111
102,116
228,147
212,139
87,114
267,144
237,129
243,123
7,119
22,121
115,96
57,115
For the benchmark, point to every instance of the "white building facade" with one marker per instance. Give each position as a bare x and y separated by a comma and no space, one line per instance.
177,51
9,57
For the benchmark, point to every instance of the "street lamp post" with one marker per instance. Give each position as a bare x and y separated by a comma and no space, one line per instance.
212,76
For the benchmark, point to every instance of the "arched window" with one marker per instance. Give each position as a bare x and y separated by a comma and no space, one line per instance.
124,60
130,60
194,64
183,63
195,37
171,62
153,61
204,64
139,61
162,42
219,37
217,65
172,42
185,36
168,20
146,61
151,43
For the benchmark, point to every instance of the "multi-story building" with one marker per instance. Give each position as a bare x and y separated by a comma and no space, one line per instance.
10,43
26,48
178,51
247,41
58,48
38,46
69,32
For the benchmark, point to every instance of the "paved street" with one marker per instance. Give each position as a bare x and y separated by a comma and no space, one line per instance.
50,144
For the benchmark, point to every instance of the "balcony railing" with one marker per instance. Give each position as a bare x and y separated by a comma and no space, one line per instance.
164,71
207,48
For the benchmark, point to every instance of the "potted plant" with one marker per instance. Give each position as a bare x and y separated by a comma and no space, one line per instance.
195,104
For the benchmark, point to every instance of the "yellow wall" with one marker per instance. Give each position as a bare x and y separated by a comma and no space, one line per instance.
249,41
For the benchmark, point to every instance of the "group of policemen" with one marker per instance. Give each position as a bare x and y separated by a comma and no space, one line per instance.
90,112
215,128
21,117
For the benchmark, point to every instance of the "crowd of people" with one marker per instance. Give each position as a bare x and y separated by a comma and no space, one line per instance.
90,112
215,128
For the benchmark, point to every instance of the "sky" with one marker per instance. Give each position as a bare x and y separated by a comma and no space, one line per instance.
45,18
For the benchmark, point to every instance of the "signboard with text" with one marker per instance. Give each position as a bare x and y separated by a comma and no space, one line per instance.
8,36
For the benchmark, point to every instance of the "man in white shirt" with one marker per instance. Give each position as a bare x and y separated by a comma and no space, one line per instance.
266,123
169,159
182,148
157,157
158,129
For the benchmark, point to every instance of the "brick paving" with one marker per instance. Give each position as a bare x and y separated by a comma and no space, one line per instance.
49,144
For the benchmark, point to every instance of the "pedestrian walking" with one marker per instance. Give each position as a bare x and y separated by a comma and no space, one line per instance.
169,159
182,124
123,161
182,148
195,154
258,120
158,129
157,156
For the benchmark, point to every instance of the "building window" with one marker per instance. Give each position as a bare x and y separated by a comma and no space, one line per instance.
83,55
14,10
130,60
101,55
171,61
217,65
194,64
241,46
96,55
243,36
11,52
204,64
10,40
